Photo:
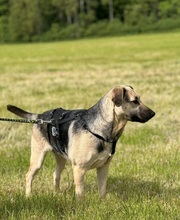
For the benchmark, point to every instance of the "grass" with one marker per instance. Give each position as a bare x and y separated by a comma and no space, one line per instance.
144,177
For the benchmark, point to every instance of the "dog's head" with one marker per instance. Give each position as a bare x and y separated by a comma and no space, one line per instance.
129,106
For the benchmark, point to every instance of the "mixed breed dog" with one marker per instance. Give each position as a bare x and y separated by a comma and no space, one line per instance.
85,137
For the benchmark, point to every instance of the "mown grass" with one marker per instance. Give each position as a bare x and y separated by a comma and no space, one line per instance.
144,177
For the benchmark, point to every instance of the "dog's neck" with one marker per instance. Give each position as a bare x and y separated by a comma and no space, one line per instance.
118,127
106,123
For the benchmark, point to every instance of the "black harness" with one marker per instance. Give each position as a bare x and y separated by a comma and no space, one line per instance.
58,129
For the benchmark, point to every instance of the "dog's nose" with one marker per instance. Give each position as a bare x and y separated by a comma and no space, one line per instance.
152,114
147,115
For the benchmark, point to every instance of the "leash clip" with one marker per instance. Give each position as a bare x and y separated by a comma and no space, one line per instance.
55,132
40,121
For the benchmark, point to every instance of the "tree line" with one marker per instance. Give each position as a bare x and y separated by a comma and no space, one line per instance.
47,20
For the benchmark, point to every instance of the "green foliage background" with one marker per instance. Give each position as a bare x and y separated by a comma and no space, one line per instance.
41,20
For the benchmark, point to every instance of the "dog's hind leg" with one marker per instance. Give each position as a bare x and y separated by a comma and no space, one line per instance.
36,160
60,165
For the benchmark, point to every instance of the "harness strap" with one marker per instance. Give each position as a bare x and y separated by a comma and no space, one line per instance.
113,147
57,120
58,117
82,122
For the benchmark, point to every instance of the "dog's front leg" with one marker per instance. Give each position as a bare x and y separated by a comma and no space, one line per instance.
102,173
78,173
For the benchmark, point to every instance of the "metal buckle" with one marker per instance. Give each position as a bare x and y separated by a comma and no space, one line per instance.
55,132
40,121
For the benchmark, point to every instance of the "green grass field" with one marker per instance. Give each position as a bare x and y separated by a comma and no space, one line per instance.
144,176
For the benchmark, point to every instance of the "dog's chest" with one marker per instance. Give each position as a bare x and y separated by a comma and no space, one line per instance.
99,159
87,151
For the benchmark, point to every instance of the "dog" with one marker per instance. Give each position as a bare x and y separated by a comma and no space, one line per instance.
85,137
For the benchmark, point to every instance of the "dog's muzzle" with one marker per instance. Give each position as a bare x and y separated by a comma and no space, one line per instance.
143,115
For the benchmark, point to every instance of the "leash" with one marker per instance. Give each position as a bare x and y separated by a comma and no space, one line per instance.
61,120
27,121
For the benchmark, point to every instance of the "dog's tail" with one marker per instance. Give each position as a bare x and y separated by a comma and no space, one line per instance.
21,113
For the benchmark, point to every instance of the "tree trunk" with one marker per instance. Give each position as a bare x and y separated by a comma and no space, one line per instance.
88,7
81,6
69,19
155,9
111,10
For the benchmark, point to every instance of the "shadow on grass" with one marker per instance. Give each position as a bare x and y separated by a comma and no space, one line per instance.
39,206
60,205
127,188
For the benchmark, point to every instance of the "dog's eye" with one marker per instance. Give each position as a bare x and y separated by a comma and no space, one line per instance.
135,101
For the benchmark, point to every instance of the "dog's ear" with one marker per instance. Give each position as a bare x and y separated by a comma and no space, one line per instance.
118,94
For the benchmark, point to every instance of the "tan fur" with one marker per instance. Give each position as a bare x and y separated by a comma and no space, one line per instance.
82,146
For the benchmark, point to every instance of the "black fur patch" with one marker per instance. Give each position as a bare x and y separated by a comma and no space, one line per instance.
100,147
